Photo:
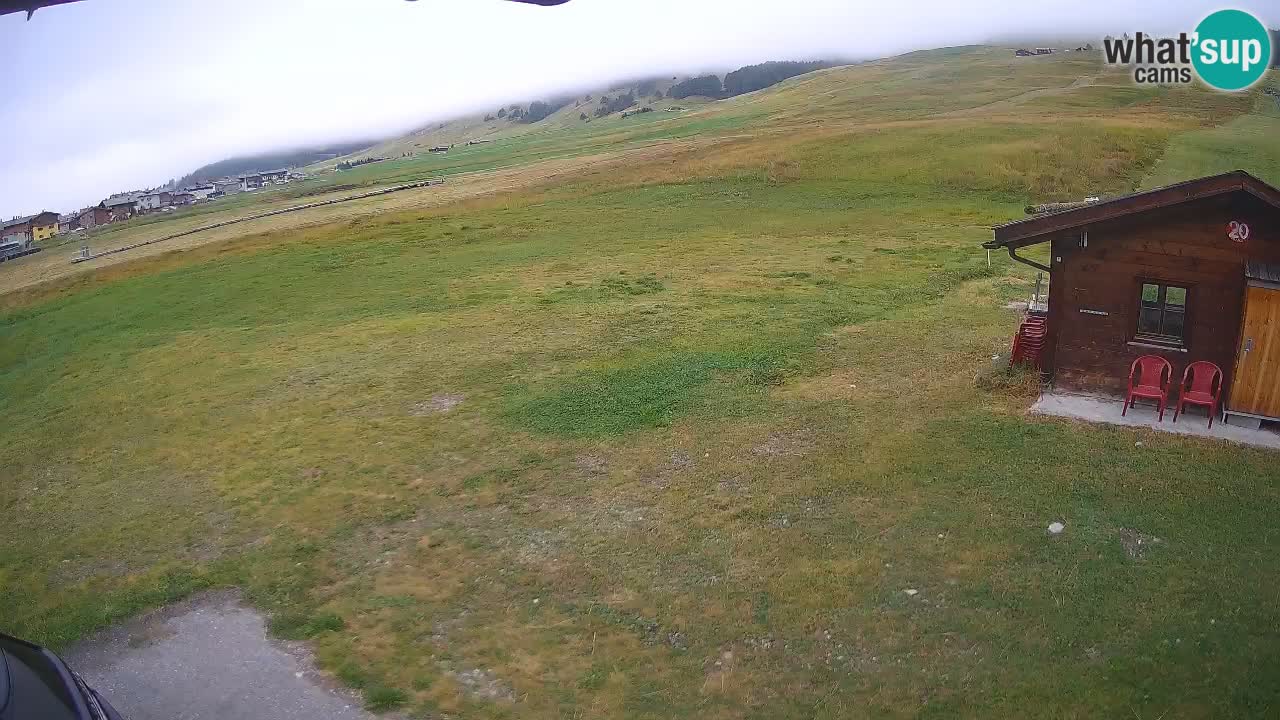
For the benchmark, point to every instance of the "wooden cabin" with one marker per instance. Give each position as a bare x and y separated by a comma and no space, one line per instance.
1187,272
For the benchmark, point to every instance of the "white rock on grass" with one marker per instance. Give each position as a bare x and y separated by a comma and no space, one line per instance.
911,592
1056,528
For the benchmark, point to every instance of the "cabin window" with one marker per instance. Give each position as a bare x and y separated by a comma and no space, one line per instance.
1162,314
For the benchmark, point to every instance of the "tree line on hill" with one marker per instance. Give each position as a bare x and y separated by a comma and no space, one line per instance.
700,86
609,105
743,80
540,109
537,110
757,77
348,164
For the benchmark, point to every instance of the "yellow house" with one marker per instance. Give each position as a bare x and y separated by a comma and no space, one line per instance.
36,227
44,225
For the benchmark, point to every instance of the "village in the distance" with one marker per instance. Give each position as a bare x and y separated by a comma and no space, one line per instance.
19,235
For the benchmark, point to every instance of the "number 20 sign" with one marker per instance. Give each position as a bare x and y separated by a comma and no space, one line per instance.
1238,231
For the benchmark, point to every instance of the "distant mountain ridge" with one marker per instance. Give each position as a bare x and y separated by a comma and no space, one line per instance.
271,161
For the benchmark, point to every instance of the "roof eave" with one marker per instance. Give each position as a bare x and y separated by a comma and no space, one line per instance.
1038,229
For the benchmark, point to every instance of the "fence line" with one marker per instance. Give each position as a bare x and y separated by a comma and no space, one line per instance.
384,191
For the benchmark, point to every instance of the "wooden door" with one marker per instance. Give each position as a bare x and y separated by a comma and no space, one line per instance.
1255,388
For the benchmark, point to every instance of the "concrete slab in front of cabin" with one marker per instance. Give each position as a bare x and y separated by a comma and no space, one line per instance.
1107,410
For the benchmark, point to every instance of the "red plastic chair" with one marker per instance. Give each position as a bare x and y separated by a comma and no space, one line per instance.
1201,385
1149,378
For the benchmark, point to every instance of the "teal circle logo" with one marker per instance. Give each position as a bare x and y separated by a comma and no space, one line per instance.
1232,50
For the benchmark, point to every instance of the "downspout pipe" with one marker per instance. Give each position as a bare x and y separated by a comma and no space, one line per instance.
1018,258
1013,254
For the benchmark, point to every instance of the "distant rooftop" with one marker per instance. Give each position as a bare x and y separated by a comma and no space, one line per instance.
20,220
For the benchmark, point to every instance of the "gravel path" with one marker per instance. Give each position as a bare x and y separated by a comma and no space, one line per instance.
203,659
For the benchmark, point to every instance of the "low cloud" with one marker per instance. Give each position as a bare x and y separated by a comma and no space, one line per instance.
110,95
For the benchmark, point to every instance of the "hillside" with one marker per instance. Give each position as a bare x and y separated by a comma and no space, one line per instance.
676,93
488,126
270,161
691,414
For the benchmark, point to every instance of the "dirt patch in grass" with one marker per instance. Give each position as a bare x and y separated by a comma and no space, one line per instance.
678,463
482,684
1137,544
436,405
591,464
782,444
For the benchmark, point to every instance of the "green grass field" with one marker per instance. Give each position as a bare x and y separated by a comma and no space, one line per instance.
668,440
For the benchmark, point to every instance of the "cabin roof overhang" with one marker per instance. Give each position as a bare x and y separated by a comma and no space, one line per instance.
1030,231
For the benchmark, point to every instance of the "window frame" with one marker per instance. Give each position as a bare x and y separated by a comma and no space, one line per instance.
1159,339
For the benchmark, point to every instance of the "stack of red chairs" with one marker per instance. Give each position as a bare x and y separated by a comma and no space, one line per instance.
1029,342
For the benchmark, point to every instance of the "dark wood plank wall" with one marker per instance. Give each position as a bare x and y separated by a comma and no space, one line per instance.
1185,245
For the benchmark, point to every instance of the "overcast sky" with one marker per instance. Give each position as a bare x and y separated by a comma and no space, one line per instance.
109,95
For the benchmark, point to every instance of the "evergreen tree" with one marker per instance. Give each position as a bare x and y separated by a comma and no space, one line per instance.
703,85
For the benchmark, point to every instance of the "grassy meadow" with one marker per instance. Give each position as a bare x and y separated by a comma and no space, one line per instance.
664,438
